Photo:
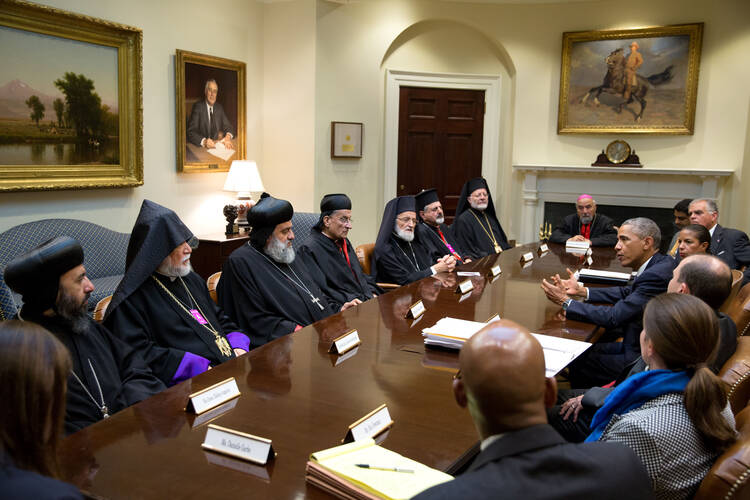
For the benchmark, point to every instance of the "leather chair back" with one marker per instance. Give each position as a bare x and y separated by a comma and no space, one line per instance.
364,255
739,310
101,309
736,285
212,282
736,375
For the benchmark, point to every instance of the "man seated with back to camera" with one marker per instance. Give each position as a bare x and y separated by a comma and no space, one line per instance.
637,247
502,383
703,276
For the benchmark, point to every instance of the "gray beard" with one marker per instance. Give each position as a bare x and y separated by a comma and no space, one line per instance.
586,220
439,220
404,235
171,271
478,206
279,251
76,314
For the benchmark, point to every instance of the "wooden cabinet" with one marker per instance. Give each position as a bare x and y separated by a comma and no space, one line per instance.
213,250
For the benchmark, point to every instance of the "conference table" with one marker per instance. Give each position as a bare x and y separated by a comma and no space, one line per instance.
296,394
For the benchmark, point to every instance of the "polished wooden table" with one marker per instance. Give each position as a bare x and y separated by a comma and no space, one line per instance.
303,398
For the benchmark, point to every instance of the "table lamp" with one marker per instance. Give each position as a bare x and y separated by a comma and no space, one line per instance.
243,178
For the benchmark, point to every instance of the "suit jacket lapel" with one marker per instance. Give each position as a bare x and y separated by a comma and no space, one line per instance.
515,443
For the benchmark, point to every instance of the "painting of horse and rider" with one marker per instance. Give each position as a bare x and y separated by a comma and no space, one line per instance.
637,81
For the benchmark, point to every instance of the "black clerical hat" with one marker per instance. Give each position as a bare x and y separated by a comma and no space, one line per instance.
426,197
333,202
391,211
156,233
469,187
405,204
265,216
36,273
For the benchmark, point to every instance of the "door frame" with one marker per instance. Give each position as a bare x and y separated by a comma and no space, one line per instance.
395,79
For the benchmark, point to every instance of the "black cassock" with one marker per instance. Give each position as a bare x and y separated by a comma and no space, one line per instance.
124,377
471,232
402,262
172,341
342,282
429,237
261,297
603,233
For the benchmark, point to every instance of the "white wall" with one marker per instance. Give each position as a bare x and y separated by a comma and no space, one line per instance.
226,28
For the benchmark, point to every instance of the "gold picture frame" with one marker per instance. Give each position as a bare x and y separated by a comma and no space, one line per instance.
605,88
98,144
193,72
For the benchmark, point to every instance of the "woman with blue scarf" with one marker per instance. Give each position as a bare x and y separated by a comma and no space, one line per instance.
674,415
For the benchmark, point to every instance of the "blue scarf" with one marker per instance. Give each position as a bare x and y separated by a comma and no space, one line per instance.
635,391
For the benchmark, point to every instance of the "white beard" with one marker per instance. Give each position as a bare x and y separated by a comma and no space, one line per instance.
171,271
439,220
586,220
280,252
478,206
404,235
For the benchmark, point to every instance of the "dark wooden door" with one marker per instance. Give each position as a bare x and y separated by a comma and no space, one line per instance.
439,141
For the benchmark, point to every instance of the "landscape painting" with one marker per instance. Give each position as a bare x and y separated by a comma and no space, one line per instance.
70,100
630,81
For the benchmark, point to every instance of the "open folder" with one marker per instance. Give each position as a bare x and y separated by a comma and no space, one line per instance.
335,471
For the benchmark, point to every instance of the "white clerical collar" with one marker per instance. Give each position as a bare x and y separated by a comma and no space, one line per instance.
643,266
711,231
486,442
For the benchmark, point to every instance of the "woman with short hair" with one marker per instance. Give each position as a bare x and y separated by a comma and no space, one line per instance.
34,369
675,415
693,239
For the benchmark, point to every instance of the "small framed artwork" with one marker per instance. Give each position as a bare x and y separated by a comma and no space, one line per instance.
70,100
210,93
346,140
630,81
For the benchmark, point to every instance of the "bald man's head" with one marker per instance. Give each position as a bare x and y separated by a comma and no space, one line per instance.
704,276
503,379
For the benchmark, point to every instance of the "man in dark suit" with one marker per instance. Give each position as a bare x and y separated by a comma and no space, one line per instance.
703,276
730,245
637,247
208,123
586,225
502,383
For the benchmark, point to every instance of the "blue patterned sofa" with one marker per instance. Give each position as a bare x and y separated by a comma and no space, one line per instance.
104,252
302,223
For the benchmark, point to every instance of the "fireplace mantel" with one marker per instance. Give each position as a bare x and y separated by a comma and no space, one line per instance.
636,187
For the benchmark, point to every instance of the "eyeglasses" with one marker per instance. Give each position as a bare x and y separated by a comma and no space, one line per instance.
345,220
404,220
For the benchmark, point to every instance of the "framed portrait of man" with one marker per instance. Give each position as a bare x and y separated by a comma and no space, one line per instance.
210,94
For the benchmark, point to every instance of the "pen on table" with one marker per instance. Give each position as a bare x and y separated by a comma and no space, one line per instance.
393,469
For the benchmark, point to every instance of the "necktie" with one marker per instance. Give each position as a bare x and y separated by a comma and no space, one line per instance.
450,248
211,124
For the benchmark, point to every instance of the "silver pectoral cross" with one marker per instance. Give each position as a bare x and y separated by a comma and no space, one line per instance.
316,301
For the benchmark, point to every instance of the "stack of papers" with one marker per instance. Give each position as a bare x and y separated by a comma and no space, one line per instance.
335,471
577,246
605,277
451,333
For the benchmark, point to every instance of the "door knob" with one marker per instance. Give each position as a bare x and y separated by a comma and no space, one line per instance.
401,187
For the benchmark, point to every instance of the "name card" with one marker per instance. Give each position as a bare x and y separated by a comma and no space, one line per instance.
495,270
527,257
589,260
213,396
543,248
337,360
346,342
416,310
370,425
206,417
467,273
238,444
495,317
465,286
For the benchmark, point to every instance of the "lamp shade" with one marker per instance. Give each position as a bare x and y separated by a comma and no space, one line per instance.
243,178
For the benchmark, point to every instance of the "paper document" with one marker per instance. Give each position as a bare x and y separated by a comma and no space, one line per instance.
596,275
341,461
221,151
577,245
559,352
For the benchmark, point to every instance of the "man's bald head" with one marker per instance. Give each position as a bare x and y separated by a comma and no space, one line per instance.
503,379
704,276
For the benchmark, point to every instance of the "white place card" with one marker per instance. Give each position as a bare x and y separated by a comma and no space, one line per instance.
527,257
495,270
238,444
416,310
465,286
213,396
589,260
543,248
346,342
220,410
467,273
495,317
370,425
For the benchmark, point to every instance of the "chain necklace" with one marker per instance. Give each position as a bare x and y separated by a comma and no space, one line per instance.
103,407
220,341
416,264
489,233
301,284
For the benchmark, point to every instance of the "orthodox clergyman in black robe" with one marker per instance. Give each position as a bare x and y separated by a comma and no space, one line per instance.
264,286
476,228
163,309
586,225
329,249
431,230
107,374
399,256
